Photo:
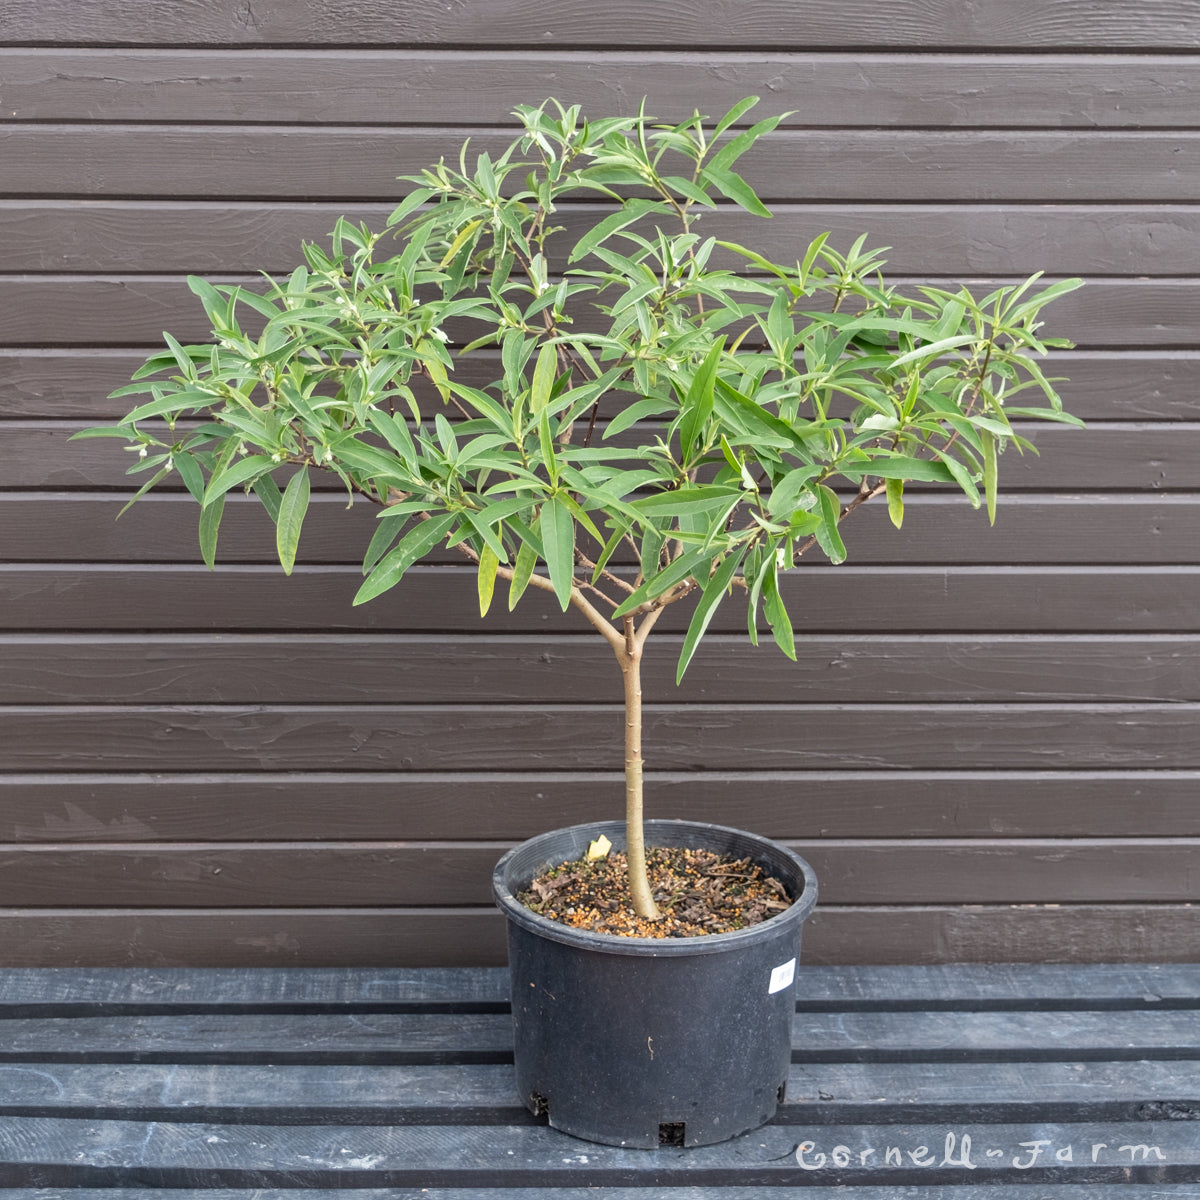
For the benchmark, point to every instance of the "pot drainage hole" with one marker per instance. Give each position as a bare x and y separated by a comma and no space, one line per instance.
672,1133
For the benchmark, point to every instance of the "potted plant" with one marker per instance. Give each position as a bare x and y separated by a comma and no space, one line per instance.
660,430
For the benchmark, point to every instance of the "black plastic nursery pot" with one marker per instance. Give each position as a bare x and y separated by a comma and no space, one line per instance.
653,1041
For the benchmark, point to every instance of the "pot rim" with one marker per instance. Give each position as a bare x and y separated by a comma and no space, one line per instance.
804,880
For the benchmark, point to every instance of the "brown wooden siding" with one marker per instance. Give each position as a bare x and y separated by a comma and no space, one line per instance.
988,747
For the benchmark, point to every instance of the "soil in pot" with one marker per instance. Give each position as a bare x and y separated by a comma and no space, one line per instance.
698,892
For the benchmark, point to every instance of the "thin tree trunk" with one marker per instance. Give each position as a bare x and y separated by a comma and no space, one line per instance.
630,658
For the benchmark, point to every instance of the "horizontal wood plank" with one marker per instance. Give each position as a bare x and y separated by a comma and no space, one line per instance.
962,240
75,991
58,1152
122,807
446,87
374,668
411,1039
66,311
468,737
986,1191
1109,457
356,875
443,599
70,384
331,1094
912,935
1016,24
943,530
358,163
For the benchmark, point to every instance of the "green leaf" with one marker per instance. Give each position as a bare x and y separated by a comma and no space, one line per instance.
393,428
776,613
489,564
124,432
418,541
546,441
216,307
522,572
580,514
243,469
544,374
182,361
378,462
675,572
633,413
738,110
459,242
210,523
698,403
895,500
412,201
765,427
608,550
691,499
483,526
714,591
174,402
267,490
814,248
631,211
737,146
192,476
962,476
990,472
786,493
828,536
902,466
157,478
387,529
933,349
759,261
292,508
733,186
558,544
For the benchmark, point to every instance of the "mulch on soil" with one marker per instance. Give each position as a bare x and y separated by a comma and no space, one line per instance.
697,891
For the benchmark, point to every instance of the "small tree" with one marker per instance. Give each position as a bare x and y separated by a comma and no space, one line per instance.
659,428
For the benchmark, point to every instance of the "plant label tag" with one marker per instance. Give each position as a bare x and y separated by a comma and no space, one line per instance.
782,977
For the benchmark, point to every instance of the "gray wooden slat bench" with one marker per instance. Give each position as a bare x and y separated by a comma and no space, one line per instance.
946,1083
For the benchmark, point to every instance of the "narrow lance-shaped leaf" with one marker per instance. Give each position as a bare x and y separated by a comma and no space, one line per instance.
459,242
698,403
810,255
489,564
738,110
418,541
733,186
990,472
776,613
544,373
153,481
895,500
558,543
546,442
632,211
674,573
192,476
522,573
241,470
292,508
210,523
828,536
714,593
